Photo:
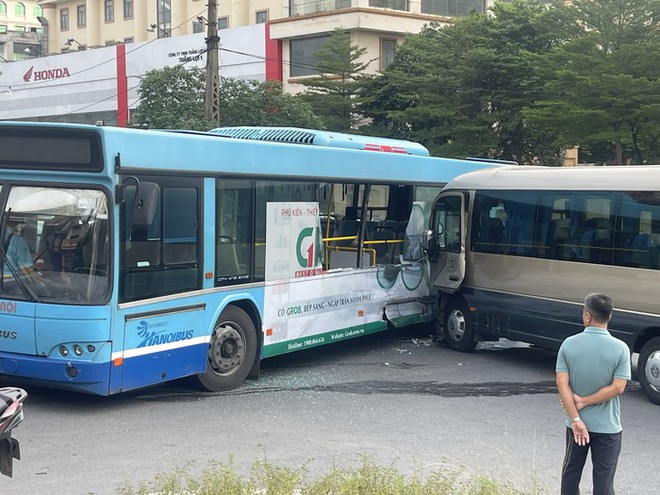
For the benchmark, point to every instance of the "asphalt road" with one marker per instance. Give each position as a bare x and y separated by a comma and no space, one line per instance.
397,397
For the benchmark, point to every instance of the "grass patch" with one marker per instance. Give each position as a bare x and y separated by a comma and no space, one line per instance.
366,479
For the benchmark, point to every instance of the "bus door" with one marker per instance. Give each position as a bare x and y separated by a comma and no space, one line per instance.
160,273
448,241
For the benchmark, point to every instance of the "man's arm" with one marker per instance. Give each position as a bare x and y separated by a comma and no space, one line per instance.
19,253
580,432
614,389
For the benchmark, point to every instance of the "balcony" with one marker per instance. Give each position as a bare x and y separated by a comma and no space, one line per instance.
304,7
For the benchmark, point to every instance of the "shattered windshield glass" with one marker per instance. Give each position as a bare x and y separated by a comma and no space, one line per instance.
55,245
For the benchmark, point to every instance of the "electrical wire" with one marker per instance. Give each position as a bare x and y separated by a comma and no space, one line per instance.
417,83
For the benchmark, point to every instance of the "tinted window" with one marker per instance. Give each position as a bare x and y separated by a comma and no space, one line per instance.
235,227
604,228
303,55
162,257
503,222
448,223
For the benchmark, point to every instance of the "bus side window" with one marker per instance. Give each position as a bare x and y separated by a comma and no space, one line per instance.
487,225
235,231
519,228
596,241
641,220
161,258
179,225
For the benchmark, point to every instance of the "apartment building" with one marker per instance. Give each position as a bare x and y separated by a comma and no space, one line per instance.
20,16
20,29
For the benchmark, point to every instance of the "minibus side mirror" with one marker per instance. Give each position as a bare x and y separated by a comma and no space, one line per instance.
430,244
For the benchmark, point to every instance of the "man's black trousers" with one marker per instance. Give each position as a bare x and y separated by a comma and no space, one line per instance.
605,449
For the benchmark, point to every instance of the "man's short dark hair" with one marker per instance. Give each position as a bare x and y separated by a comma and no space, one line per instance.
599,305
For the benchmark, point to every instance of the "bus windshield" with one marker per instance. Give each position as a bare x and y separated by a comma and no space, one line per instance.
55,245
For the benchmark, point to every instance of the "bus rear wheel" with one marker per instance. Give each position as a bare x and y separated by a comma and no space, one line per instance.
232,351
648,369
457,330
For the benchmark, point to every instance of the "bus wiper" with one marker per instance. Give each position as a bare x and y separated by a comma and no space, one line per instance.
27,291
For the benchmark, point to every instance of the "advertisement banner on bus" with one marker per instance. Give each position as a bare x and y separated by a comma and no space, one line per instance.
292,240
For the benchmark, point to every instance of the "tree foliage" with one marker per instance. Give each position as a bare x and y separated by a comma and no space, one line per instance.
528,81
247,102
603,85
173,98
522,83
332,94
460,90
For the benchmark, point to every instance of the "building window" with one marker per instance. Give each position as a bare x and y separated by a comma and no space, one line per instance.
262,16
164,14
452,8
3,8
37,11
3,28
109,10
387,49
129,40
20,29
81,15
303,58
302,7
64,19
19,10
128,9
198,27
223,22
390,4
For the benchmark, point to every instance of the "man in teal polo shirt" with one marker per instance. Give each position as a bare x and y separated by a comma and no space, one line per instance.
593,369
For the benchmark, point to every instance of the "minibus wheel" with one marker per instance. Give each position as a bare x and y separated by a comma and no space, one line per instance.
457,330
648,369
232,350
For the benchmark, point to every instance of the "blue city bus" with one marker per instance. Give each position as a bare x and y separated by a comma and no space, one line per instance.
157,255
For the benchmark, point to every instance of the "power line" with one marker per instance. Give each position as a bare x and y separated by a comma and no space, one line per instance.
417,82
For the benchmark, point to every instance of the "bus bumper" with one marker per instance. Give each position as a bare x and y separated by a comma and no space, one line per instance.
82,376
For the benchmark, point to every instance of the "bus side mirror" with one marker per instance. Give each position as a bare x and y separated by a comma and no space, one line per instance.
430,244
144,206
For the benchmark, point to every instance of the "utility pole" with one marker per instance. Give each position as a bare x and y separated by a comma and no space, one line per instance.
212,97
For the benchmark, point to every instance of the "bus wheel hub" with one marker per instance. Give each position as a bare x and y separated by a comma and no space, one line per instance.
226,352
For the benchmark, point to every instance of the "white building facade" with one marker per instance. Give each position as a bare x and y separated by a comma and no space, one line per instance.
102,84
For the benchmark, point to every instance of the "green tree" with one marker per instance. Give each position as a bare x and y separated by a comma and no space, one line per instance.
173,98
603,86
248,102
333,93
461,90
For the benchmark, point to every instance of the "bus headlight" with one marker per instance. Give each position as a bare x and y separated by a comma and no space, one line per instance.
77,350
64,351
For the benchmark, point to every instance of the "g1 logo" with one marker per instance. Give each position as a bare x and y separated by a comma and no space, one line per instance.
305,258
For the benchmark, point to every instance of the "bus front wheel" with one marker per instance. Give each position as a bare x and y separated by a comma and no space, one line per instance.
457,330
648,369
232,351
